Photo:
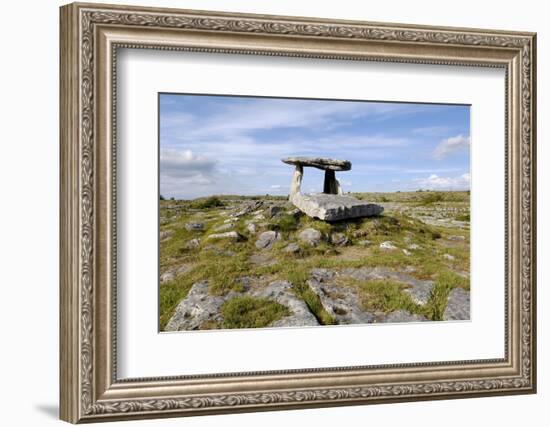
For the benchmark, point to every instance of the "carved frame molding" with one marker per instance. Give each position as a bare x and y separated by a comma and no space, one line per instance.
90,36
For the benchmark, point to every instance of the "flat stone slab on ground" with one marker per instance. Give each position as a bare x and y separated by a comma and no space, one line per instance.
401,316
281,292
334,207
458,305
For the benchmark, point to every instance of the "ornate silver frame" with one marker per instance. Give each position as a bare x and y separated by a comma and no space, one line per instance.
90,36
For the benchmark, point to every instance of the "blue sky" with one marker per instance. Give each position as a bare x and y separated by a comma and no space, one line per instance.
234,145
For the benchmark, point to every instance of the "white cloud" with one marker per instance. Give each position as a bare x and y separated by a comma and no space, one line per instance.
451,145
183,163
436,182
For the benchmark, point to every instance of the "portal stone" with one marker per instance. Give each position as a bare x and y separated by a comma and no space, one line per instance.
331,205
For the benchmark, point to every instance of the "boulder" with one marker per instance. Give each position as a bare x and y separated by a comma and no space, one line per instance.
193,244
292,248
165,234
387,246
194,226
267,239
339,239
272,211
225,227
311,236
230,235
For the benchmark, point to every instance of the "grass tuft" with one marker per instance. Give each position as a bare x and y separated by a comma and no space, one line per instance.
249,312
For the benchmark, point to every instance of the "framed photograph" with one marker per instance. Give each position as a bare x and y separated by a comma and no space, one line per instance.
266,212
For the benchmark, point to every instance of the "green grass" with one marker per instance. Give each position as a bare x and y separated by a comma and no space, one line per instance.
206,203
383,295
445,282
463,217
249,312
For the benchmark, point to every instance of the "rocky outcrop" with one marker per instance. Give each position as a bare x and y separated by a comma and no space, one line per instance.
458,305
199,307
281,292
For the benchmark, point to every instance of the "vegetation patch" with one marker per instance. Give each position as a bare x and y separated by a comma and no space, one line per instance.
206,203
249,312
383,295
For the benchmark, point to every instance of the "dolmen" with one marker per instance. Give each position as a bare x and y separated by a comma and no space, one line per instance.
331,204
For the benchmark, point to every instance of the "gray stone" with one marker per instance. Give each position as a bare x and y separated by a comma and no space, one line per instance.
420,290
262,259
458,305
365,242
413,246
292,248
322,274
267,239
449,257
319,163
339,239
281,292
248,208
194,226
167,277
387,246
172,273
341,302
230,235
401,316
311,236
272,211
406,252
224,227
193,244
195,309
165,234
360,233
219,251
456,238
251,227
332,207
